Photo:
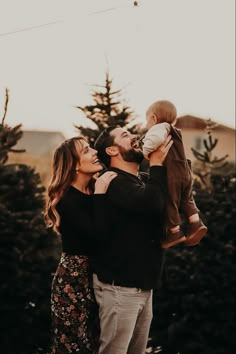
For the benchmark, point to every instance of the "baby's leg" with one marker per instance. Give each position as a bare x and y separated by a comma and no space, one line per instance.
193,218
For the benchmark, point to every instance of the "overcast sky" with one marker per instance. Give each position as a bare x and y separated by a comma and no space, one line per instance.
52,50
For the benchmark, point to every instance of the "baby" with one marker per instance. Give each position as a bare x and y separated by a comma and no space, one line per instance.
161,117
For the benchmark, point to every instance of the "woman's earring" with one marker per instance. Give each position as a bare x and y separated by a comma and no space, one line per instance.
77,170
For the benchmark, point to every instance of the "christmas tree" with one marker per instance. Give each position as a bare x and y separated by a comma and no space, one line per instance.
28,253
108,109
207,163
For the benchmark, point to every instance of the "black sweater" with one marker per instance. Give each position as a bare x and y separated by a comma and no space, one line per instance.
82,221
132,256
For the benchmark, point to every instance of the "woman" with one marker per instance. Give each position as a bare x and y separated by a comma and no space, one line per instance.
75,211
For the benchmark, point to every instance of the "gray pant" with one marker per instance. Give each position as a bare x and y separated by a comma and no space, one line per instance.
125,318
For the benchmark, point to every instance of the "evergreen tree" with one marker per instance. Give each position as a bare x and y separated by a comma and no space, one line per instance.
207,163
28,254
8,136
108,109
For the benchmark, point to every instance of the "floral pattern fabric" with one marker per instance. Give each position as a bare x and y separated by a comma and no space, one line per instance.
75,323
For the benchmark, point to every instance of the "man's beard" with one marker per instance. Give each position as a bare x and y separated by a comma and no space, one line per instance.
131,155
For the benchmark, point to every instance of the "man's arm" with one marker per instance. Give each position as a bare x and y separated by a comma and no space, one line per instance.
128,193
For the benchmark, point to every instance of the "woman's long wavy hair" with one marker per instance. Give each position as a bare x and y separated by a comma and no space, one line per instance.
65,160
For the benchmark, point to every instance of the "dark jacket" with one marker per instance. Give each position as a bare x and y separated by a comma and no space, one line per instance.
132,255
179,182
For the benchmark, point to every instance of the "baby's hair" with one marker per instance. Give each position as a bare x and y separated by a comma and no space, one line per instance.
164,110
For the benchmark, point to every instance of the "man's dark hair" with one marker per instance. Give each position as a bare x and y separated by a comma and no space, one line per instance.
103,141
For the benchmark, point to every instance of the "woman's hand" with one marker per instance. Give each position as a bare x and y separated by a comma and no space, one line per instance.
103,182
156,158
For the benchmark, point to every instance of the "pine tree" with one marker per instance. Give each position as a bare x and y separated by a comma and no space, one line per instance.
8,136
208,164
108,109
28,253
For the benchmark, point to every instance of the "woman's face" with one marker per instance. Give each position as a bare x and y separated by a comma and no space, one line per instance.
89,163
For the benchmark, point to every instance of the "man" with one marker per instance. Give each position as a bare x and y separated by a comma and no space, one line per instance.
130,263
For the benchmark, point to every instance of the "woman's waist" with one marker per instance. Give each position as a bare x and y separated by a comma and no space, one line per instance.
74,261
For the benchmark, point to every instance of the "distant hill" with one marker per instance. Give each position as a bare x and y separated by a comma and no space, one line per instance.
40,146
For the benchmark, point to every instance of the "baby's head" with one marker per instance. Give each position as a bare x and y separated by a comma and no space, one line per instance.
159,112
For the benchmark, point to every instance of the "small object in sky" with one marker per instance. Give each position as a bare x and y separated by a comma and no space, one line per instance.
135,3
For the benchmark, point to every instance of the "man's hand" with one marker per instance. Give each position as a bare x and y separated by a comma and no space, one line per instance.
156,158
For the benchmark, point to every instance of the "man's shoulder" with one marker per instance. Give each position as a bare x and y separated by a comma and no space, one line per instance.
129,177
121,174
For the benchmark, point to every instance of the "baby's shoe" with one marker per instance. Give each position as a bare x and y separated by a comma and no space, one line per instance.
195,232
173,238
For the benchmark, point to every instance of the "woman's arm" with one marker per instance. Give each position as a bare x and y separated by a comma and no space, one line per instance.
100,208
129,193
85,215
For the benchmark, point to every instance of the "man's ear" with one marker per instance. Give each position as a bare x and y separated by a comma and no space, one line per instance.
112,150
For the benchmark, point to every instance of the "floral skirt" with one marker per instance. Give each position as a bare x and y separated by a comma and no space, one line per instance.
75,323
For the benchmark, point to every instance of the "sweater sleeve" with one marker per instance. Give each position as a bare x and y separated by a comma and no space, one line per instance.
155,136
88,221
128,194
100,216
